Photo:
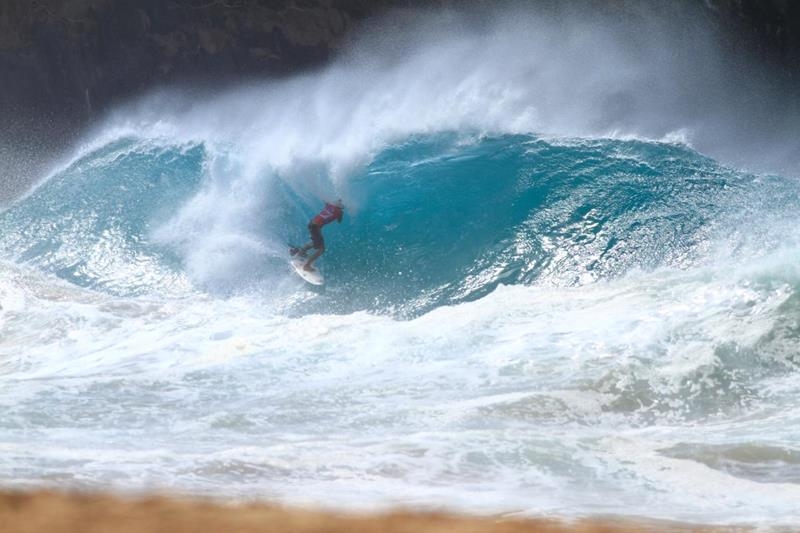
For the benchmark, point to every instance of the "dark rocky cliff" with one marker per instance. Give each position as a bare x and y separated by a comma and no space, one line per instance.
74,58
768,28
64,62
77,56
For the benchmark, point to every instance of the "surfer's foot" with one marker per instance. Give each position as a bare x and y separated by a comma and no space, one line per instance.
309,268
296,251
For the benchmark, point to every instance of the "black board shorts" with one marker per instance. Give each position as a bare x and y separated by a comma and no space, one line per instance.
316,235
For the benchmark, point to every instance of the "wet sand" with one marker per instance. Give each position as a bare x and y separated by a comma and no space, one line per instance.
62,512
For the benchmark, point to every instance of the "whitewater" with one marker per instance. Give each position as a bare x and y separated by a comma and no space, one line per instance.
562,285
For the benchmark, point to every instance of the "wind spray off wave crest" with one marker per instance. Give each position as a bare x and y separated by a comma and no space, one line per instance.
659,73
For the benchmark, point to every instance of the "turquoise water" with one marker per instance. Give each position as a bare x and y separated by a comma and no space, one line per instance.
438,220
522,314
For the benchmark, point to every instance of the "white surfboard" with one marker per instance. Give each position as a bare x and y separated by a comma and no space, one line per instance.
314,278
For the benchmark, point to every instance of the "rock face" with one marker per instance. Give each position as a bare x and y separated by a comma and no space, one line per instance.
771,29
76,57
64,62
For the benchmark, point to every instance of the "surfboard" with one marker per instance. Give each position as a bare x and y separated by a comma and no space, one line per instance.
314,278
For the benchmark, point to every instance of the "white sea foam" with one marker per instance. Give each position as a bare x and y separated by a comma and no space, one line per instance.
482,406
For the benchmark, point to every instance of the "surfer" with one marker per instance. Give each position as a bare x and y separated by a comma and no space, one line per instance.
328,214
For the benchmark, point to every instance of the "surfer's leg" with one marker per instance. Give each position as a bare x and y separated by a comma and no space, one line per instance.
310,263
316,238
316,242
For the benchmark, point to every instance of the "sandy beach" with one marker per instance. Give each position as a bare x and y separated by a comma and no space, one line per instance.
60,512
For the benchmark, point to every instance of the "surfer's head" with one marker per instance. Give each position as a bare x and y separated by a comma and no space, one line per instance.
340,204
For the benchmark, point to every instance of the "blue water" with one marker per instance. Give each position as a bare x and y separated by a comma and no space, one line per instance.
439,221
520,314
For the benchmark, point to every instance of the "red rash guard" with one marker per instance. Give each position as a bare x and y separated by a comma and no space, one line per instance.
328,214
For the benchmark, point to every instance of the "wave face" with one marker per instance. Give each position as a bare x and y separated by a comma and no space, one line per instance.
445,219
87,224
439,220
522,314
452,221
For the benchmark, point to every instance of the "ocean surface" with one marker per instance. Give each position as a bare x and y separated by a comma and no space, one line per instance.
522,315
